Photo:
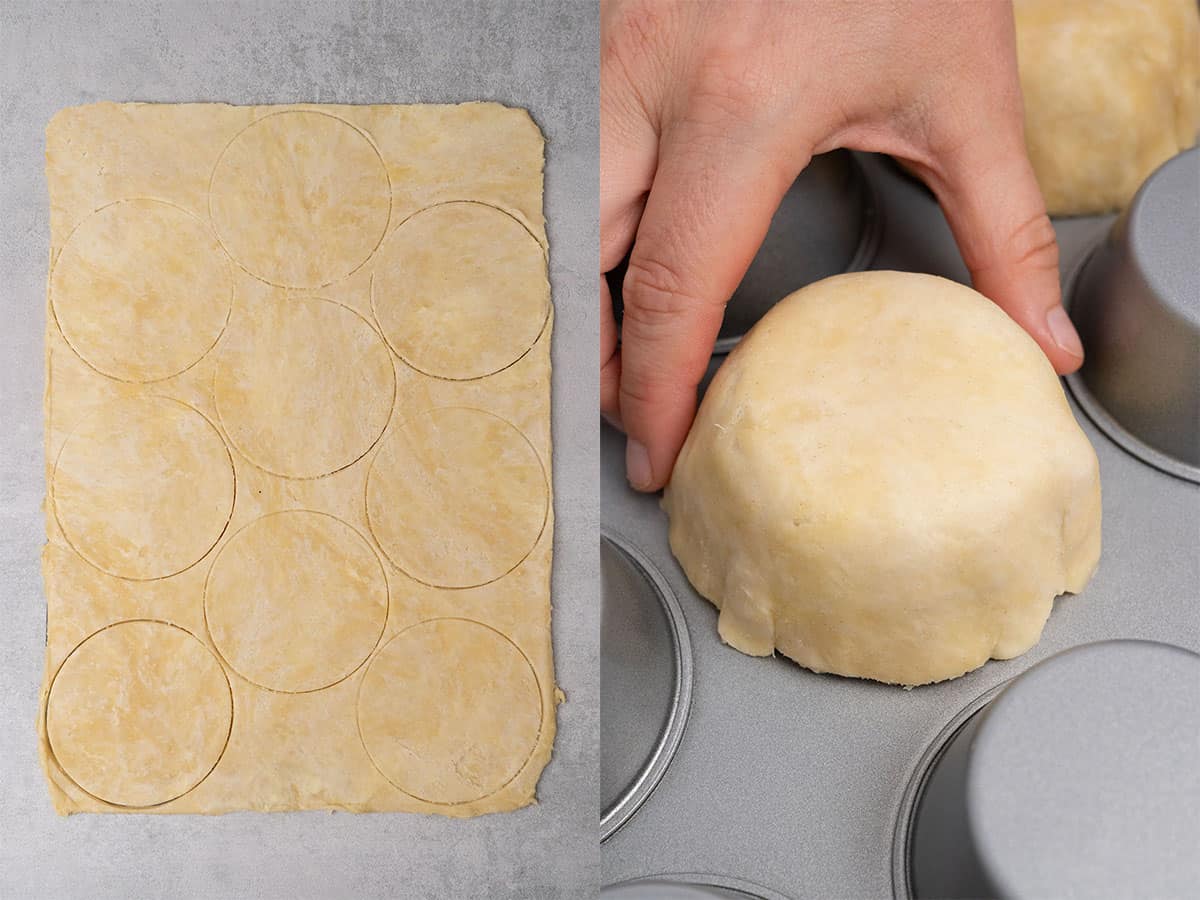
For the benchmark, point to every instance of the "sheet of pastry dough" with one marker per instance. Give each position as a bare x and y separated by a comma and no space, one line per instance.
299,517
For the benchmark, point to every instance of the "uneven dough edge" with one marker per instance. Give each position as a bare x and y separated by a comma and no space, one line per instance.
753,630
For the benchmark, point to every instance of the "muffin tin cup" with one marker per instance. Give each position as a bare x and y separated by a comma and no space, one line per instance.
963,724
688,886
1135,299
991,809
646,680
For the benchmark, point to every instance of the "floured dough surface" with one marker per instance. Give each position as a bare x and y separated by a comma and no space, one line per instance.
884,480
299,518
141,290
300,198
123,478
1111,91
301,626
139,713
476,264
449,710
439,487
303,359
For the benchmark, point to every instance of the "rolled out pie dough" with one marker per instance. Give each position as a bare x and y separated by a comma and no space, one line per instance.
299,511
884,480
1111,91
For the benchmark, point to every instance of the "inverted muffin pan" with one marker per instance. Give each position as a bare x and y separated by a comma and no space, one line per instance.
1135,298
1069,763
790,784
688,886
649,684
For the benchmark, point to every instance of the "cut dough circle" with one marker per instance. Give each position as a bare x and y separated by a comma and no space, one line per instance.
466,269
296,601
885,480
1111,91
143,489
139,713
305,387
300,199
141,290
449,711
456,497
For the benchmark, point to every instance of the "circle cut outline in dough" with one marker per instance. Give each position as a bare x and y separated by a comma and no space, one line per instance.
225,657
73,543
425,578
45,715
325,280
58,315
426,366
473,623
296,300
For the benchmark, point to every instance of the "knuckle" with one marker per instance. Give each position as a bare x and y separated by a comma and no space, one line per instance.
1033,244
654,295
636,390
650,386
656,349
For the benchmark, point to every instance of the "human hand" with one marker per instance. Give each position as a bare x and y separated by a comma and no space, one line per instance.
709,111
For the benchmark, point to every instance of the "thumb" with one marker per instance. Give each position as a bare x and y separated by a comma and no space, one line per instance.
988,192
709,208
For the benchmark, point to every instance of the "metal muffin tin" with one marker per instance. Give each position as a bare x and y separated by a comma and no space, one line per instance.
688,887
1136,302
1090,755
805,785
647,690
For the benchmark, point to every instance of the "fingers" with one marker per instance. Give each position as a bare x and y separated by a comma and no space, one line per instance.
995,209
709,208
628,156
618,224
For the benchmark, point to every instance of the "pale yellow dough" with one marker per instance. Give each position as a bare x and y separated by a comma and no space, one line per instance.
448,710
1111,90
474,268
885,480
440,486
301,626
292,359
154,691
299,511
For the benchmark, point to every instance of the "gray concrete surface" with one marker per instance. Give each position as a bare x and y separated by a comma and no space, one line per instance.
542,56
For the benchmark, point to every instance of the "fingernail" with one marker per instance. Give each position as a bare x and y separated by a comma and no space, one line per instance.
637,465
1064,332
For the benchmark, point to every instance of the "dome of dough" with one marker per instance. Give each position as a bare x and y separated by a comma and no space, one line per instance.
885,480
1111,90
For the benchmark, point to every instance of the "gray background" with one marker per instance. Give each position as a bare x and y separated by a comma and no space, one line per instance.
541,56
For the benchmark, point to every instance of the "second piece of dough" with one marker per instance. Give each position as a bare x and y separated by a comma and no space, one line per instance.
1111,90
885,481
